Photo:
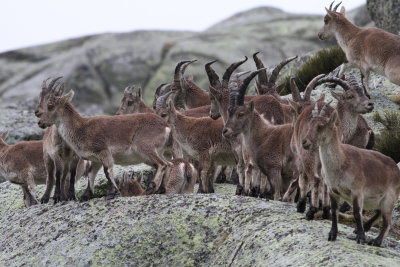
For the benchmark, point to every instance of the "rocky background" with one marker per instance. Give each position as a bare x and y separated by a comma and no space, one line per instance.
192,230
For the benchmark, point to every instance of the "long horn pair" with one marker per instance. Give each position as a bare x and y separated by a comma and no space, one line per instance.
241,92
335,8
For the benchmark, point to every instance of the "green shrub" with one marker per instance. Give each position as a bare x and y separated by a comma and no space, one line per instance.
388,140
325,61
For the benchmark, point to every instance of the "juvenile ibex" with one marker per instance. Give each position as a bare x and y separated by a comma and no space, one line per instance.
180,178
130,187
268,145
108,140
368,49
133,103
22,164
367,179
59,159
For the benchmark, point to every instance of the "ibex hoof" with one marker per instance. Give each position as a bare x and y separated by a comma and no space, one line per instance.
326,213
332,236
344,207
301,206
374,242
310,213
44,199
150,188
239,190
86,196
56,199
360,238
71,196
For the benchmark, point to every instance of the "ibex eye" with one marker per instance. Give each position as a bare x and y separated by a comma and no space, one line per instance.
130,103
50,106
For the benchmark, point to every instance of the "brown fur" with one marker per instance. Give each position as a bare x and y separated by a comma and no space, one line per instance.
22,164
368,179
180,178
130,187
366,48
105,140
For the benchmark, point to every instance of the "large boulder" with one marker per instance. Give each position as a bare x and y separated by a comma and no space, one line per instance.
385,14
176,230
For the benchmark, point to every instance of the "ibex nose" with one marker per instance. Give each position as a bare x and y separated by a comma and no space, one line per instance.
226,132
320,36
305,144
37,113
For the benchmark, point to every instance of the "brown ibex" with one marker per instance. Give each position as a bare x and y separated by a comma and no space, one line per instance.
133,103
367,179
201,139
130,187
180,178
267,105
162,89
352,126
59,159
108,140
365,48
268,145
22,164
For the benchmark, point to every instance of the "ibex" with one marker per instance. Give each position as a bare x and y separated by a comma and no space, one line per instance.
180,178
368,49
367,179
352,126
59,159
108,140
162,89
22,164
268,145
130,187
193,95
201,139
266,105
133,103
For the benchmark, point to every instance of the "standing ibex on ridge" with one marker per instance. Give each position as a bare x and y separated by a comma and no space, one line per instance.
367,179
22,164
368,49
354,130
268,145
105,140
59,159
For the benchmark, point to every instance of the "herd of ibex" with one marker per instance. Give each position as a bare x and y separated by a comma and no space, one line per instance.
279,146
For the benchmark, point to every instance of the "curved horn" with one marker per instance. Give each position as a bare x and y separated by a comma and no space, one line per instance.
323,110
295,90
262,76
311,85
177,70
345,85
351,79
158,89
230,70
330,7
245,84
212,75
277,69
51,84
335,8
60,90
184,66
234,82
162,100
44,84
129,89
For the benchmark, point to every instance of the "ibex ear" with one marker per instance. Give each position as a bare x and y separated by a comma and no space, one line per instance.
140,177
139,94
342,11
251,106
280,87
321,98
332,119
68,97
335,95
170,105
294,107
4,135
329,13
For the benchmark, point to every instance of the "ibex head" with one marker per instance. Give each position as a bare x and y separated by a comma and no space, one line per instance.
321,127
130,102
162,89
239,114
331,21
129,186
51,102
354,99
161,107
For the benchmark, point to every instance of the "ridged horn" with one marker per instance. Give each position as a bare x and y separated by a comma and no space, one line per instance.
244,85
262,76
212,75
336,7
310,86
323,110
230,70
295,90
277,69
345,85
51,84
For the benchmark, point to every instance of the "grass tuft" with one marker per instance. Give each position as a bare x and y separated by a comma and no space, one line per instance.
388,141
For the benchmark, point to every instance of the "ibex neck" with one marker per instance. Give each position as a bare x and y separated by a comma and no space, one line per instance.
144,108
68,123
345,31
348,122
331,153
256,129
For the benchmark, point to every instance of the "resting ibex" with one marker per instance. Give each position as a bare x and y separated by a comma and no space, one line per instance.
59,159
105,140
367,179
353,128
268,145
130,187
133,103
22,164
368,49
